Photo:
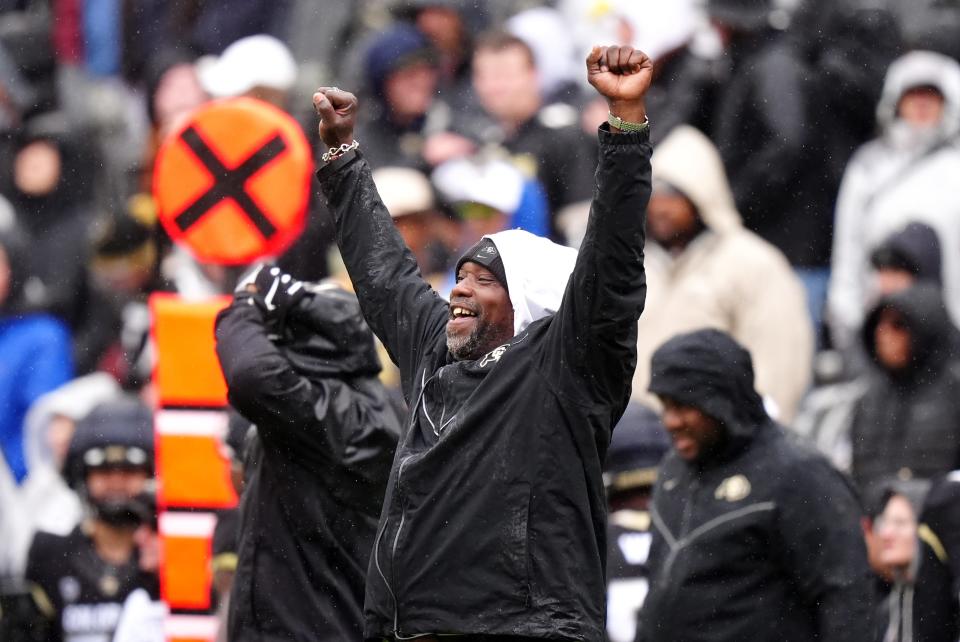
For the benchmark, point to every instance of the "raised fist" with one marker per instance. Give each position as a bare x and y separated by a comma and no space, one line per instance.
338,115
622,75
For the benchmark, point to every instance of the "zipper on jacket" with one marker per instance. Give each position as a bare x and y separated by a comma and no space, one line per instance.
684,525
393,548
376,561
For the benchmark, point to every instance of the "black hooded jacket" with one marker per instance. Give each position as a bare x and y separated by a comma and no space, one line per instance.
315,480
907,423
498,525
758,539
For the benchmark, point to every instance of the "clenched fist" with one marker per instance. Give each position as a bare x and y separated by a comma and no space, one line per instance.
622,75
338,115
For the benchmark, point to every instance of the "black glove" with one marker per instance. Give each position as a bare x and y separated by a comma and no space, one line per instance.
272,290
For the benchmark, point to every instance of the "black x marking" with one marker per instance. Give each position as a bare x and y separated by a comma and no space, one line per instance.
229,183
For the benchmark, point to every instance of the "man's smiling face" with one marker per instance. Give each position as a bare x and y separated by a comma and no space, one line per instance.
481,315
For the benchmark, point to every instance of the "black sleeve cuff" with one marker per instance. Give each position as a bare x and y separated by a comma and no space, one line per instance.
333,167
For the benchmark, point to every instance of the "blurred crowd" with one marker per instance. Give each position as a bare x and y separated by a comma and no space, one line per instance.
803,202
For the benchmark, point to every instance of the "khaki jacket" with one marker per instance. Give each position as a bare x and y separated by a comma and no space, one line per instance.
728,278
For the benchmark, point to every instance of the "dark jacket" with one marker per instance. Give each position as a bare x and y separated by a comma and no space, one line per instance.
498,525
758,540
908,422
764,130
80,591
936,607
327,434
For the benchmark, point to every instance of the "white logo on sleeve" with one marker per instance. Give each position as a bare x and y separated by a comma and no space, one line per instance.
494,355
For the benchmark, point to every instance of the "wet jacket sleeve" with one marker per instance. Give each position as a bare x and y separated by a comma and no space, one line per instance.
325,421
822,549
401,308
596,328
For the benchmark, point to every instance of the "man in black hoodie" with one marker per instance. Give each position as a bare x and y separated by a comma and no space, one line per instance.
754,537
907,423
494,522
300,363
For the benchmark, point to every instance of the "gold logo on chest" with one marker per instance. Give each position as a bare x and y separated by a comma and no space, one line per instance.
733,489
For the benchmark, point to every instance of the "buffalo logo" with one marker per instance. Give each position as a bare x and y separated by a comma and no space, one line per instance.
493,356
733,489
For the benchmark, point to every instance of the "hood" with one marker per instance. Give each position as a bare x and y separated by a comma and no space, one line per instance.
537,272
690,163
326,336
74,187
710,371
73,400
393,50
919,68
935,338
915,248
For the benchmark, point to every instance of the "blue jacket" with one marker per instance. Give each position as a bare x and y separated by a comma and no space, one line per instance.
35,358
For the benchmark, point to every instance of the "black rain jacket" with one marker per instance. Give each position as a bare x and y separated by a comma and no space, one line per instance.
759,539
498,526
316,476
907,423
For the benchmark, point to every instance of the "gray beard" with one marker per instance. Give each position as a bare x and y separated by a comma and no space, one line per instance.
482,340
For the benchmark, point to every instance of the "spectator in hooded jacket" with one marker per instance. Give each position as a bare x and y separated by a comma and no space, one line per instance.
402,79
916,602
300,364
897,178
907,423
905,258
702,268
35,347
493,526
50,185
47,503
755,538
448,25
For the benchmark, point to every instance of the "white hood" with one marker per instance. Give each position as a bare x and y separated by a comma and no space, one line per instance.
74,400
537,272
689,162
915,69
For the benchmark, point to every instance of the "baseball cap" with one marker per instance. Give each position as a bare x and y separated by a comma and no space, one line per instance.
254,61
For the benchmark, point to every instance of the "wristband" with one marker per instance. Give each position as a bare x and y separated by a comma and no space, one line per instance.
625,125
